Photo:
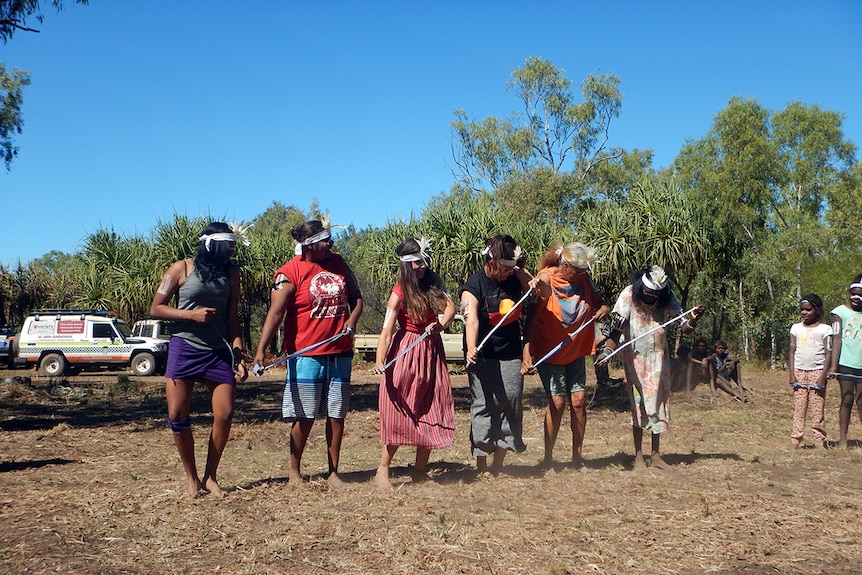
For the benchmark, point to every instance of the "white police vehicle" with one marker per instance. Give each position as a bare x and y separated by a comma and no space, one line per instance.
55,339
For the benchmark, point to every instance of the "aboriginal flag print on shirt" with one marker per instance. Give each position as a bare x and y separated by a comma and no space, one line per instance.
503,304
495,299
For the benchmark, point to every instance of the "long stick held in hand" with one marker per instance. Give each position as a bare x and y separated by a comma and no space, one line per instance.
405,350
560,345
628,343
258,370
508,313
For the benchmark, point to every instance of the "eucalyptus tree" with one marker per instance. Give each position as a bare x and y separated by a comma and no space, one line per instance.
14,15
730,175
767,185
542,159
816,159
12,86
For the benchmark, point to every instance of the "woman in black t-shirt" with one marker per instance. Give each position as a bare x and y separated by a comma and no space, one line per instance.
494,362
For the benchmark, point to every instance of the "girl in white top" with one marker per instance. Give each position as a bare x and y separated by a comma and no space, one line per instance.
810,356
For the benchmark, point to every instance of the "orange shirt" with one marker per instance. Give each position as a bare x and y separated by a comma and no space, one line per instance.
566,309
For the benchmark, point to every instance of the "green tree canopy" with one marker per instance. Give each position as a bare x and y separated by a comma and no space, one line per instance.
14,15
11,122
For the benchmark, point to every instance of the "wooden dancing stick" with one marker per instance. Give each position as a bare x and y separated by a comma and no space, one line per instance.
628,343
560,345
405,350
258,370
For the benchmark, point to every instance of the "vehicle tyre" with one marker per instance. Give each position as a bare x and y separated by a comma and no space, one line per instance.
13,351
52,365
144,364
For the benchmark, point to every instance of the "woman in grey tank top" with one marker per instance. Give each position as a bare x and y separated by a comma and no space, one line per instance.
206,346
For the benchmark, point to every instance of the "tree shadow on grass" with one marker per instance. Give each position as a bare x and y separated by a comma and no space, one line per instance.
626,461
34,464
82,402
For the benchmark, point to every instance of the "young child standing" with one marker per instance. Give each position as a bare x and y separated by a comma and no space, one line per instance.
810,355
847,356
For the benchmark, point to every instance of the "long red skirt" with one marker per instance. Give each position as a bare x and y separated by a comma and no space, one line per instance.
416,403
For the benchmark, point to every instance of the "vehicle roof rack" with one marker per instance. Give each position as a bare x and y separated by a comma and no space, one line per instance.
99,312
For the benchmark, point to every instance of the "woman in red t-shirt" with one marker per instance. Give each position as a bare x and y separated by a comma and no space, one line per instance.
317,296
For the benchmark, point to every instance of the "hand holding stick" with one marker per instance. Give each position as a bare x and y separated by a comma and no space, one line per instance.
258,369
605,358
402,352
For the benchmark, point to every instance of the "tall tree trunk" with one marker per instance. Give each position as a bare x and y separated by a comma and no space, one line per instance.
743,323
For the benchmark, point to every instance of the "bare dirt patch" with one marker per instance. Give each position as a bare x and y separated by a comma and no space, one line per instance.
90,483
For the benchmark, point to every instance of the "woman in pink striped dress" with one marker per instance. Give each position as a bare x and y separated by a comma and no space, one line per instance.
416,403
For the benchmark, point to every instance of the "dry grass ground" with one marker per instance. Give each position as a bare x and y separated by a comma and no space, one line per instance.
90,483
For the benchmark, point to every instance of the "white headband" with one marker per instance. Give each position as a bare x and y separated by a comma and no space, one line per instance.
217,237
508,263
318,237
420,256
854,286
424,247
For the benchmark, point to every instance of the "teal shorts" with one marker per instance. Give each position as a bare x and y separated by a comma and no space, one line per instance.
317,386
563,380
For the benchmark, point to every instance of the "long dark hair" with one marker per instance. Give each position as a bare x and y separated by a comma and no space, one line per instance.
502,247
638,287
419,295
213,263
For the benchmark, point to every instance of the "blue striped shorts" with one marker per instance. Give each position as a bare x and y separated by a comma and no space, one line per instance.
317,386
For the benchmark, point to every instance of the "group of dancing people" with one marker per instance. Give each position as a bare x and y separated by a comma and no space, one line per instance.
316,300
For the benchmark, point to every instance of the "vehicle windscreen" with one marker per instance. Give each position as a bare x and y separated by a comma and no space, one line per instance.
123,328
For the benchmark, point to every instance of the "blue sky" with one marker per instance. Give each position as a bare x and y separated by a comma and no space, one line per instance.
142,109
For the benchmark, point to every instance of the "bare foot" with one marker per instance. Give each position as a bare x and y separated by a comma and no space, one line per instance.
481,464
335,481
419,475
294,477
381,478
656,462
193,488
842,444
640,464
577,460
212,486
